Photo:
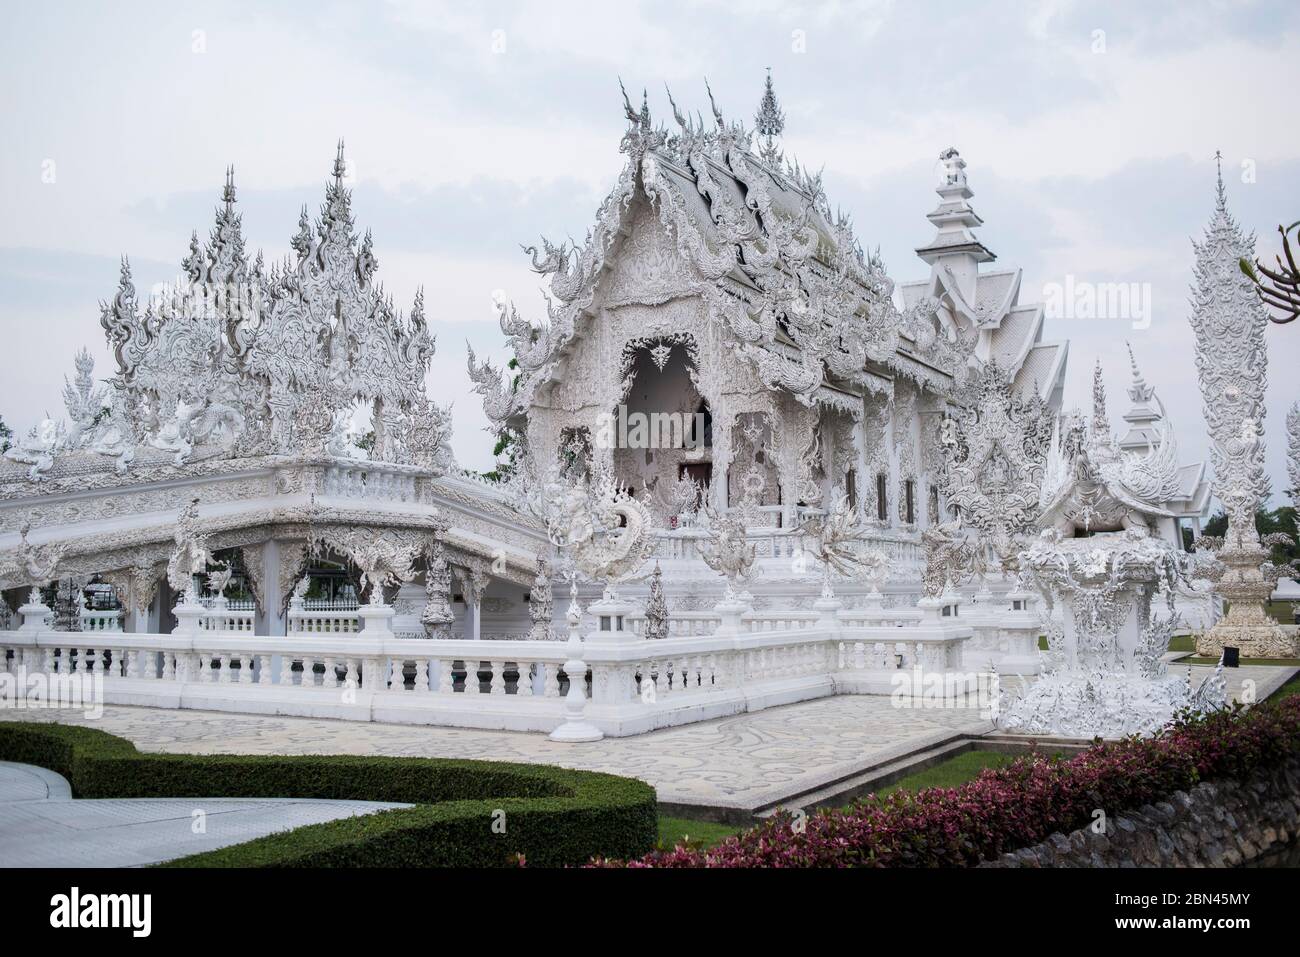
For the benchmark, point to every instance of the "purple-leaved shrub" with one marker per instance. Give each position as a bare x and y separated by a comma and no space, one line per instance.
1014,806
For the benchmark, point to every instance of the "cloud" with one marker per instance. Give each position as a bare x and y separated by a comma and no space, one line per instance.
1097,165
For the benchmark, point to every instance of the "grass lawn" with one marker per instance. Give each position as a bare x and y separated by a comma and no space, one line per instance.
1288,689
702,834
950,773
1293,662
947,774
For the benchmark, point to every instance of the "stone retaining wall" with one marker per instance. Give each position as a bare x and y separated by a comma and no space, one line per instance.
1215,824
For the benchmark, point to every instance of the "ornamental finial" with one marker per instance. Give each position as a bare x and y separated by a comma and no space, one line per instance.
1222,196
1100,421
769,122
228,192
1138,391
340,164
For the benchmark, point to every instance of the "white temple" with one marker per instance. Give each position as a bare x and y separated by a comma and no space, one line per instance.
728,428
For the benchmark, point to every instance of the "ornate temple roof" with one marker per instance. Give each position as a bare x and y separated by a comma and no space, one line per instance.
775,265
984,305
237,361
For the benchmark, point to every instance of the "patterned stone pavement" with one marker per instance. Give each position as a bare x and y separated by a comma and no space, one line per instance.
41,825
744,761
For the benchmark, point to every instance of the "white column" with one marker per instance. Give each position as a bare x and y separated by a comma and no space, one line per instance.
271,619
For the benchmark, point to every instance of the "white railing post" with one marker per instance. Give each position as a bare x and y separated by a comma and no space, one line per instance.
35,613
575,728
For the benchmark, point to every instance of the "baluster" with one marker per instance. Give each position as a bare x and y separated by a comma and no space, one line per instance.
421,674
245,669
497,681
263,670
524,684
308,676
550,679
350,679
396,676
446,680
286,669
331,678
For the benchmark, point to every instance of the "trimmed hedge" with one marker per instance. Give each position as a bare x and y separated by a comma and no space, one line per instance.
1015,806
553,816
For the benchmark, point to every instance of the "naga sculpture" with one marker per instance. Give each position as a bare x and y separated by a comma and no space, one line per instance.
836,539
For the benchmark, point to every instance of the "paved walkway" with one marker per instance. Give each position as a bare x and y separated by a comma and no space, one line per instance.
742,763
745,761
41,825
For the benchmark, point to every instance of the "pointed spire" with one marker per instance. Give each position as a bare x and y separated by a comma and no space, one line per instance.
770,119
228,192
1144,413
340,165
769,122
954,218
1100,420
1139,390
1222,197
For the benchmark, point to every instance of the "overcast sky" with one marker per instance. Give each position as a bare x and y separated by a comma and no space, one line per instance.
1089,129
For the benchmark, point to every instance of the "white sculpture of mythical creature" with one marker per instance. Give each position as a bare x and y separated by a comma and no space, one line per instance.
541,604
680,501
219,578
30,564
214,423
836,540
342,438
84,403
605,529
172,435
499,399
949,557
728,550
190,555
37,449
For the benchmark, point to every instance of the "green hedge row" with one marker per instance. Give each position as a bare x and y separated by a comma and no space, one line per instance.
553,816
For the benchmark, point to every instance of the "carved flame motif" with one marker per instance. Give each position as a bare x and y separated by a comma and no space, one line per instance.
225,357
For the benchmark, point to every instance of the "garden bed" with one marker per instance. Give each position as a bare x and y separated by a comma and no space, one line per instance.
1016,806
467,813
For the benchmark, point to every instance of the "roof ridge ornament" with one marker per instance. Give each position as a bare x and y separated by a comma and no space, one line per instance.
1221,201
769,123
340,165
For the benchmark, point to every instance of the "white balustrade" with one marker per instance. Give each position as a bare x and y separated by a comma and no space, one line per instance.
712,664
101,619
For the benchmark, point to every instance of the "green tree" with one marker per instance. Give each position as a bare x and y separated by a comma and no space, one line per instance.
1267,522
6,434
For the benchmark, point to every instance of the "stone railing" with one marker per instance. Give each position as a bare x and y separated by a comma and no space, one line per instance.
322,617
228,617
370,480
747,662
101,620
906,557
680,624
